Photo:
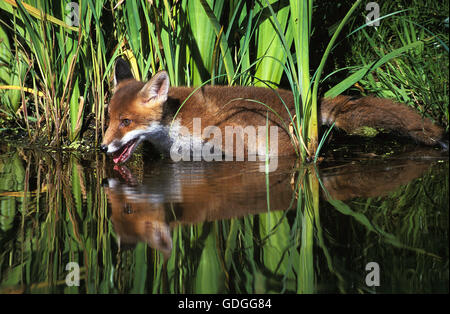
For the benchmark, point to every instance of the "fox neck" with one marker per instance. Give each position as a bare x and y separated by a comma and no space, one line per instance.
164,133
159,135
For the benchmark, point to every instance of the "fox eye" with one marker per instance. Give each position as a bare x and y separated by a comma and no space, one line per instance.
126,122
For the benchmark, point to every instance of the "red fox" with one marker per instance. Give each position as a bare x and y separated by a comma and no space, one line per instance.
170,117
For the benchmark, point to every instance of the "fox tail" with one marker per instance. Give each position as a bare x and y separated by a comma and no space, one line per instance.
350,114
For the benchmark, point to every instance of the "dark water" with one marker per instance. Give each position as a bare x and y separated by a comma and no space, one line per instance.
224,227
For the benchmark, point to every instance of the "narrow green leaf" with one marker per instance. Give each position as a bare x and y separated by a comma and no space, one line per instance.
226,51
355,77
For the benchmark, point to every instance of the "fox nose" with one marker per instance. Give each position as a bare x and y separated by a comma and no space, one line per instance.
104,148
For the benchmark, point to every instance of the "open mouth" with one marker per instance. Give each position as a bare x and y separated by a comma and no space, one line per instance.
125,152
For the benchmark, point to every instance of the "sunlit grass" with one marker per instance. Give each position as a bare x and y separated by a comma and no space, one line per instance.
67,68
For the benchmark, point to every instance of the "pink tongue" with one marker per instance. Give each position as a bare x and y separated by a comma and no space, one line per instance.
124,154
117,159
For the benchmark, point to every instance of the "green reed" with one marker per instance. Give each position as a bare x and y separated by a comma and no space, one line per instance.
419,77
55,76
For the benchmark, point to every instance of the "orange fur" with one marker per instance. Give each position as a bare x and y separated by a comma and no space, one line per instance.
151,107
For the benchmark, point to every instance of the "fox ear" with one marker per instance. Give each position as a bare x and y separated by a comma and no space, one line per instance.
122,71
157,88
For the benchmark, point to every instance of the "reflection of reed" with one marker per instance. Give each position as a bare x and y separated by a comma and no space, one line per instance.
210,222
51,193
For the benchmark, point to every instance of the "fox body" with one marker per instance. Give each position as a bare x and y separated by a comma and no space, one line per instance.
165,116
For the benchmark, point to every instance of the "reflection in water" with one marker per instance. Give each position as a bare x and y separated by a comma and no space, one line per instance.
221,227
375,179
188,193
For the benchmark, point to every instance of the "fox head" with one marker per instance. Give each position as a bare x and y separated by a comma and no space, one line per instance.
134,111
136,219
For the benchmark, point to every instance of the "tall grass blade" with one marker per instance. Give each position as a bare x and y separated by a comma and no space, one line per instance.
226,51
355,77
313,123
40,15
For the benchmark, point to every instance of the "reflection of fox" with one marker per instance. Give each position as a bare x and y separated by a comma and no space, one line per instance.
137,220
169,194
144,111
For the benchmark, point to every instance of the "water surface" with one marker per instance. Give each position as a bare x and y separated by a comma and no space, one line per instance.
222,227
